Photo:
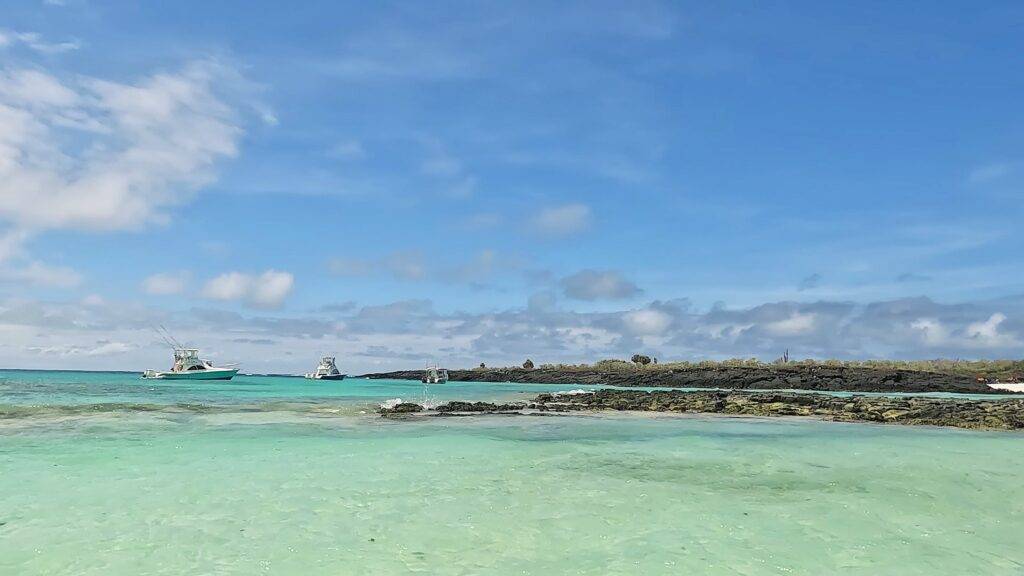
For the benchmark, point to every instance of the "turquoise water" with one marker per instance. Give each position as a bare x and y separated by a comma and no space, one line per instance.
107,474
31,387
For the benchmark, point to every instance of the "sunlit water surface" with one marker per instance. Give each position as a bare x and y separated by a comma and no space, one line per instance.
106,474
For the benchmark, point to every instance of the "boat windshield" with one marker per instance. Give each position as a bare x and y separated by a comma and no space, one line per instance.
188,359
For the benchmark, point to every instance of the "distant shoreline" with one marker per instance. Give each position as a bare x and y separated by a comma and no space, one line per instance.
768,377
72,370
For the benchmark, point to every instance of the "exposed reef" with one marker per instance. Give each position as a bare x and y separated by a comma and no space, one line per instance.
1000,414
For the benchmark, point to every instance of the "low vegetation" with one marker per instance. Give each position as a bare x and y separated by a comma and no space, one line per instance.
991,370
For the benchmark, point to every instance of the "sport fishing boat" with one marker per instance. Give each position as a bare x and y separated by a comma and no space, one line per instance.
326,370
189,366
434,375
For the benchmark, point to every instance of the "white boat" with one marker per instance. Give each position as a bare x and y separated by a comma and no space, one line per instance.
189,366
434,375
326,370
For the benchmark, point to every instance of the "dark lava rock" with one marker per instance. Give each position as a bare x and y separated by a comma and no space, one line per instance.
1000,414
459,406
403,408
799,377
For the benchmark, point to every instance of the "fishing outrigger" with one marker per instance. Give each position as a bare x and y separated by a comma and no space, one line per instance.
188,365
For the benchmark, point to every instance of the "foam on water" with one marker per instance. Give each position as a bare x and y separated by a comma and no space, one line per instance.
391,403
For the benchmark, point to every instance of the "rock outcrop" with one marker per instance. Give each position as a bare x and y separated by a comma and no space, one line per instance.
1000,414
400,408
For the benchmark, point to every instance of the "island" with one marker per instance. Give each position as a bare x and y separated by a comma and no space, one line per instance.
870,376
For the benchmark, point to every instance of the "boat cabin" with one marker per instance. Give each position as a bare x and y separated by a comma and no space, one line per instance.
434,375
186,359
327,367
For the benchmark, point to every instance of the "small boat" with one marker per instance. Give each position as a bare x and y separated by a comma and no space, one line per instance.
434,375
189,366
326,370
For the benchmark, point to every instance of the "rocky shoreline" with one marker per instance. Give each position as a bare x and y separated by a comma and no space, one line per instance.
796,377
1000,414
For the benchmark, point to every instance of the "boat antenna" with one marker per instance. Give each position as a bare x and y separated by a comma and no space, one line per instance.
175,340
162,337
168,339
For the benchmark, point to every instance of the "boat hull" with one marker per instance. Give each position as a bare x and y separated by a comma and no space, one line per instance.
225,374
328,377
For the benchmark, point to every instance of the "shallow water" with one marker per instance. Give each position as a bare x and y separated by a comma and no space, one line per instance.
107,474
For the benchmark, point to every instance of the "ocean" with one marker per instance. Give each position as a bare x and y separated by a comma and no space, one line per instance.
108,474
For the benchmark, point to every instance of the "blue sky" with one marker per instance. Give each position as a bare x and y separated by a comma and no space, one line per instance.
465,182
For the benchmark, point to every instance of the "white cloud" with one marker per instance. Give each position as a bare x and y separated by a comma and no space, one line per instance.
394,334
100,348
980,335
228,286
166,283
92,154
93,300
271,288
106,348
266,115
44,275
933,332
34,41
987,333
987,330
11,243
267,290
647,322
562,220
796,324
35,89
991,172
599,285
